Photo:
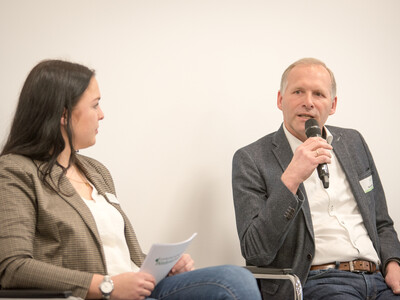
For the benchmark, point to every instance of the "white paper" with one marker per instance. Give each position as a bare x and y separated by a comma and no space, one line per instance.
162,257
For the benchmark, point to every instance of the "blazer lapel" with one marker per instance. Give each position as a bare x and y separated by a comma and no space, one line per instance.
135,251
283,153
97,180
349,166
282,150
72,197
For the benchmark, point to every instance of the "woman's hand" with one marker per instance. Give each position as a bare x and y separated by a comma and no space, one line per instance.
184,264
130,285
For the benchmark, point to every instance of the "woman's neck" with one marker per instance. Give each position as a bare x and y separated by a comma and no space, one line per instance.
65,155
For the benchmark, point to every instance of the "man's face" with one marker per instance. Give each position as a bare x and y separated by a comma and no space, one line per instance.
307,95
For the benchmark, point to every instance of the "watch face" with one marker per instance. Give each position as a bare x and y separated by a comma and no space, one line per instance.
106,287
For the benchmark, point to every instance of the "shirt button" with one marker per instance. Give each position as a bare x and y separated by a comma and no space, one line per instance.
309,256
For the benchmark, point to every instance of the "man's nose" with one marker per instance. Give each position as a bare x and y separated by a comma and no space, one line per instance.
308,101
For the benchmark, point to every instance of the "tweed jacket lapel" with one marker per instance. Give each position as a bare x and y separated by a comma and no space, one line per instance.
135,251
134,247
72,197
283,153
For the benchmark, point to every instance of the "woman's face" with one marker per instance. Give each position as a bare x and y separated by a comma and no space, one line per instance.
85,117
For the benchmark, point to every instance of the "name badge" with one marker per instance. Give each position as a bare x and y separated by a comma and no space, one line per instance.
367,184
112,198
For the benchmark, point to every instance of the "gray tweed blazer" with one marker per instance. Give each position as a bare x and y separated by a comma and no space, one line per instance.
49,240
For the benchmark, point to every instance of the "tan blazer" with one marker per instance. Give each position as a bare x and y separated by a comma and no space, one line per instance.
49,240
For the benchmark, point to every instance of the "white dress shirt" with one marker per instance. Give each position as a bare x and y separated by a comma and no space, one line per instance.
339,231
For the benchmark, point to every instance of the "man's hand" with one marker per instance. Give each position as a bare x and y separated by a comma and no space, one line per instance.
392,277
307,157
184,264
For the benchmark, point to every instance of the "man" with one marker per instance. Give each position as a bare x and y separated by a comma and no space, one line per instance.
339,240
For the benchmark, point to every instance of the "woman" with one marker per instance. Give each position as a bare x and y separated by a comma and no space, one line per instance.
62,226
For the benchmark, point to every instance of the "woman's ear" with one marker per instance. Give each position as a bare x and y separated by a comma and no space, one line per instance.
64,118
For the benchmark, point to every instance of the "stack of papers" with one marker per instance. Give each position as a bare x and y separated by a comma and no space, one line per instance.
162,257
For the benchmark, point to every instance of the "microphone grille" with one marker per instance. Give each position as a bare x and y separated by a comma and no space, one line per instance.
312,128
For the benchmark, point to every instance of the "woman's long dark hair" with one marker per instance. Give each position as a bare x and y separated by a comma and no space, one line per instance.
51,90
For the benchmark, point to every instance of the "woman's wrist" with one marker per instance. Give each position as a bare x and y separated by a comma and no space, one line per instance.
94,291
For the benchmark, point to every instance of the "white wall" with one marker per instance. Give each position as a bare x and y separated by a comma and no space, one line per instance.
186,83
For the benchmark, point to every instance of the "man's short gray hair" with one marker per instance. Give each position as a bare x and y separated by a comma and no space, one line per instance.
308,61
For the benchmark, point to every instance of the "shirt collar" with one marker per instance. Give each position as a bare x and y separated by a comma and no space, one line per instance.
294,142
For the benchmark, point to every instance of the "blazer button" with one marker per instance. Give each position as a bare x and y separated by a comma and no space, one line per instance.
289,214
309,256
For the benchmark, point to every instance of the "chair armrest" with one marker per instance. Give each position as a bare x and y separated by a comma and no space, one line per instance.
272,271
275,273
34,294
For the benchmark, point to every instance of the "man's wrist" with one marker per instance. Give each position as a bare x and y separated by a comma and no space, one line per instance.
391,262
393,259
290,183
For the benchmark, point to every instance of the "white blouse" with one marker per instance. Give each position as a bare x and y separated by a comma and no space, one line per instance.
111,228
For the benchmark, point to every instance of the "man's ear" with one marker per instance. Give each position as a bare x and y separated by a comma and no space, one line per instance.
279,100
333,108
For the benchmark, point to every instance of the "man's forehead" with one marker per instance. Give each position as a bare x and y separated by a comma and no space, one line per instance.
309,68
316,73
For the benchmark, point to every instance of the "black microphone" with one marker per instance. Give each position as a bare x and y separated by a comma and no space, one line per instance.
313,130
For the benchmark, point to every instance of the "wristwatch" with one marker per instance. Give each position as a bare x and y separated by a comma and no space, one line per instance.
106,287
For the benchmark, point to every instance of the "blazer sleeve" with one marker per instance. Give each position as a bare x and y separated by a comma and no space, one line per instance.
265,209
18,213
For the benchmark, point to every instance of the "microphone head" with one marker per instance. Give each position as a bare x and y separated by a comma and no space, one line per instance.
312,128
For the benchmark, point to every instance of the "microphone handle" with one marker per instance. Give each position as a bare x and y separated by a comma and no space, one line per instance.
313,130
323,174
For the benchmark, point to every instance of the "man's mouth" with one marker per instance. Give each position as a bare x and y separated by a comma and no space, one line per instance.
306,116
